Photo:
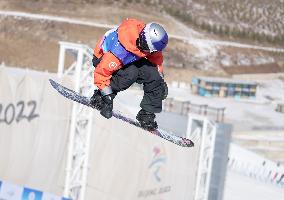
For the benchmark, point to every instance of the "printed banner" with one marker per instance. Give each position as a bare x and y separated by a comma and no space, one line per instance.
9,191
128,163
34,128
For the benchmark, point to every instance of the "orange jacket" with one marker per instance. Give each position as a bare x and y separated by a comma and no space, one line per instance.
128,32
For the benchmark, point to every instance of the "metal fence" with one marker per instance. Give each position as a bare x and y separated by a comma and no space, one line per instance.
186,107
255,166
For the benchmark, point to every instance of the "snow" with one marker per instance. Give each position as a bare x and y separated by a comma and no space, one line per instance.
244,60
54,18
239,187
226,61
244,114
262,60
273,89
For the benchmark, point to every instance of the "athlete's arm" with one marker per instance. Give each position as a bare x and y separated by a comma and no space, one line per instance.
104,70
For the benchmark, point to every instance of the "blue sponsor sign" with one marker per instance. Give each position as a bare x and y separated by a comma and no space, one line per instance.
30,194
10,191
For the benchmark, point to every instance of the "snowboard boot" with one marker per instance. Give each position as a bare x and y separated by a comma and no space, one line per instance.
107,106
96,100
146,120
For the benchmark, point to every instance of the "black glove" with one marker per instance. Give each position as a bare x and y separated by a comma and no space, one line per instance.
96,60
107,107
165,90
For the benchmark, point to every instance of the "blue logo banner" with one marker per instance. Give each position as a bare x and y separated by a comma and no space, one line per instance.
30,194
10,191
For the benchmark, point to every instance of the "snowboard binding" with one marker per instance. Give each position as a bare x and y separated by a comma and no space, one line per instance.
102,103
96,100
147,120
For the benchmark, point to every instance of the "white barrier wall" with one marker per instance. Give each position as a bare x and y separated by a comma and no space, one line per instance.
34,123
10,191
253,165
127,163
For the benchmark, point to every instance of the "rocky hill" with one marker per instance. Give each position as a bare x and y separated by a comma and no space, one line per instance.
34,43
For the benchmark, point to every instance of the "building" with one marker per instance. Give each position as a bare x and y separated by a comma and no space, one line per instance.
280,107
223,87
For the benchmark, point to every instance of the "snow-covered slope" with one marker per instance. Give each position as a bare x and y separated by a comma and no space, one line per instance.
239,187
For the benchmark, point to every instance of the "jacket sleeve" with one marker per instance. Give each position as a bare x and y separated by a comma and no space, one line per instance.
98,51
104,70
157,59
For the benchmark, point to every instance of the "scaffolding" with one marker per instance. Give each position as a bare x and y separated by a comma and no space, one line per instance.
81,121
209,182
200,129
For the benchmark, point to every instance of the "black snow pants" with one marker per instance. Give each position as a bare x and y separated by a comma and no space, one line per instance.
142,72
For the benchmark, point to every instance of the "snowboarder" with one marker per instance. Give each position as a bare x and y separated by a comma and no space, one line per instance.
129,53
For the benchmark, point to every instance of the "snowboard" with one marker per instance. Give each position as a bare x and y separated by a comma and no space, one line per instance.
74,96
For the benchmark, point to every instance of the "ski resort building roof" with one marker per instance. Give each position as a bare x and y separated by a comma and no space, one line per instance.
225,80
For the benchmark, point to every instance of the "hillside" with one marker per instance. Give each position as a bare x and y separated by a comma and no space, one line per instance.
259,20
34,43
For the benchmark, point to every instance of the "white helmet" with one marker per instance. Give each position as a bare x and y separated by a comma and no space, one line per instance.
153,38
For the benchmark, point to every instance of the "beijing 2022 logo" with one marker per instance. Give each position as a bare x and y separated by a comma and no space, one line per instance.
158,162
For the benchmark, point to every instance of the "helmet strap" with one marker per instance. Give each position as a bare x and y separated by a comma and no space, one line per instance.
142,45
